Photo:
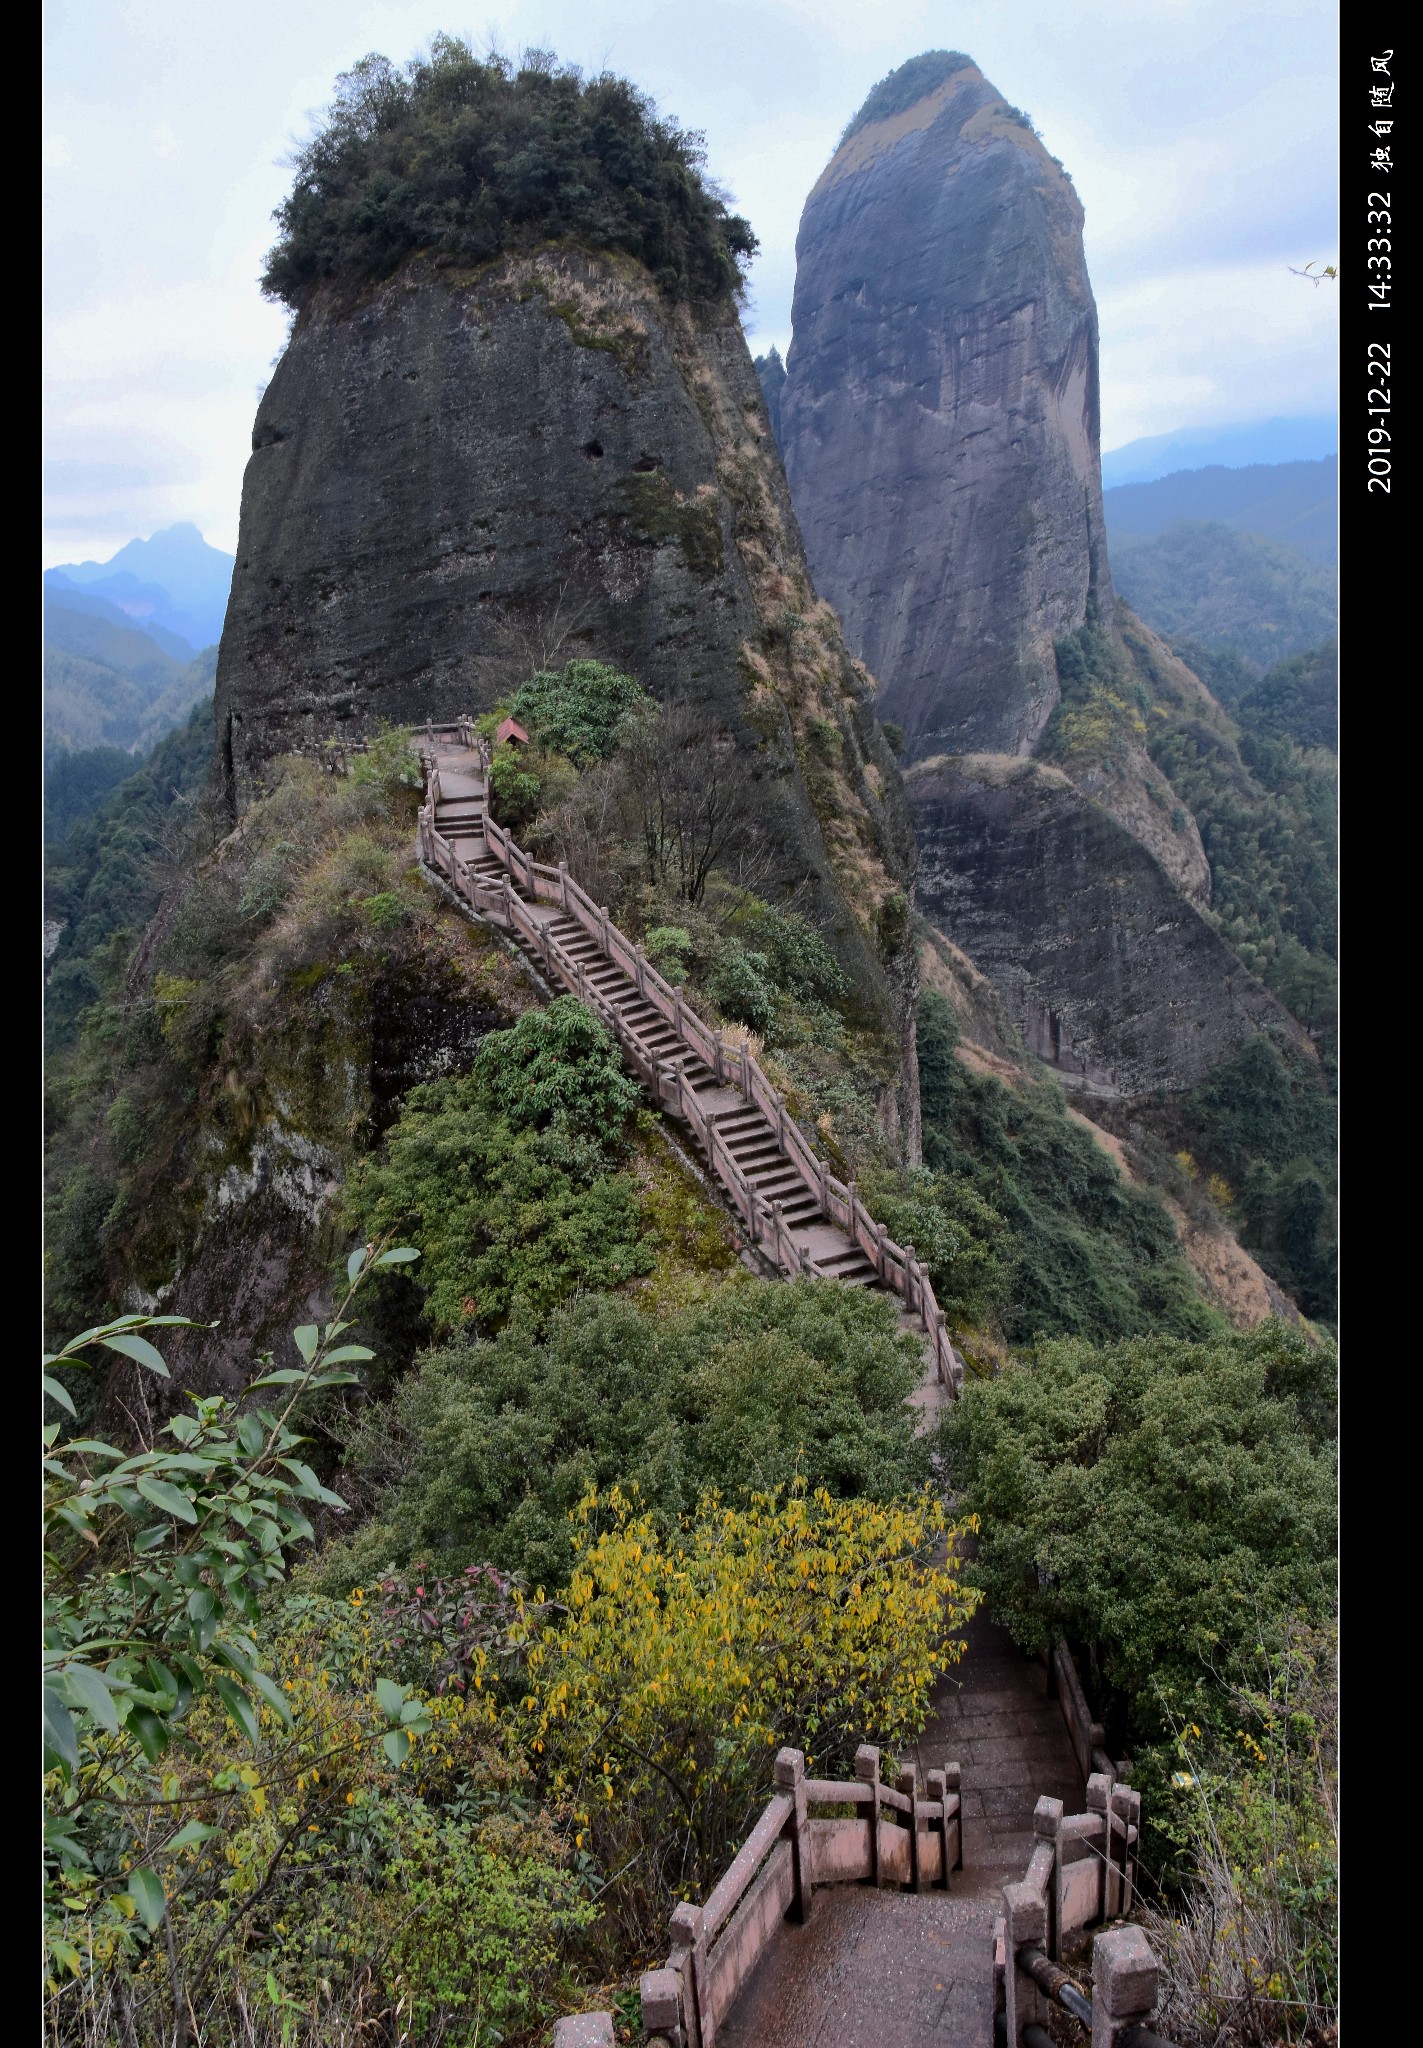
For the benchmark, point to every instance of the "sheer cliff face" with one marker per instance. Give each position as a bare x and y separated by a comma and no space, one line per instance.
1107,973
940,415
469,476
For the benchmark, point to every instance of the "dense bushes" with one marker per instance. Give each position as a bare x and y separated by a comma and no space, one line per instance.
303,1817
1070,1248
487,1447
301,978
508,1178
471,157
906,85
1170,1509
1266,809
578,709
1155,1501
1265,1121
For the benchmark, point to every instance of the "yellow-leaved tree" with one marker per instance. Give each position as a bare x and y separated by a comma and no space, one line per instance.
682,1664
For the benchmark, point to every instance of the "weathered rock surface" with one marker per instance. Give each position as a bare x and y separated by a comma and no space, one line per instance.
1112,978
940,414
470,475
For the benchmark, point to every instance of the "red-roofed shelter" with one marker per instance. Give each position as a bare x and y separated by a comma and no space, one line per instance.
511,730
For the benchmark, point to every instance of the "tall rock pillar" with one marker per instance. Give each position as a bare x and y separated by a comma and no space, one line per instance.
939,418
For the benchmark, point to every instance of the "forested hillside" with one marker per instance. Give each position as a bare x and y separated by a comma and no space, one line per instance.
1294,504
1204,586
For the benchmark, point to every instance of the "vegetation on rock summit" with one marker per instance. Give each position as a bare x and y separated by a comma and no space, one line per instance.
471,157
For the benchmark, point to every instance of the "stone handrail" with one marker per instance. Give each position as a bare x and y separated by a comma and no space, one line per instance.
897,1266
1082,1872
715,1947
1088,1737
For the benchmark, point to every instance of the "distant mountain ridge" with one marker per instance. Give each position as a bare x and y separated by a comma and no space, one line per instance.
1240,447
130,644
173,580
1295,504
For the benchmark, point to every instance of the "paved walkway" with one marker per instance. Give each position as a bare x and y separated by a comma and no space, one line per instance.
887,1969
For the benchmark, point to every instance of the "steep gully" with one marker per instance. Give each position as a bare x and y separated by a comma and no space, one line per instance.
869,1958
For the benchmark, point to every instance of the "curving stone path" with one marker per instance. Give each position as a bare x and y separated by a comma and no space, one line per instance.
891,1970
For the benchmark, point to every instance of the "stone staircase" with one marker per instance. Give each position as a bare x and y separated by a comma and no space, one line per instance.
798,1215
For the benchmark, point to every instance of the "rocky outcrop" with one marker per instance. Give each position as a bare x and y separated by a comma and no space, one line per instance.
772,373
472,474
940,412
1111,978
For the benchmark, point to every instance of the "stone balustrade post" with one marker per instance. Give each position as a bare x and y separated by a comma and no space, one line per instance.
1099,1792
1025,1915
909,1786
563,883
938,1796
720,1057
584,2030
867,1771
1126,1805
953,1789
689,1932
1124,1984
1047,1819
661,1994
790,1777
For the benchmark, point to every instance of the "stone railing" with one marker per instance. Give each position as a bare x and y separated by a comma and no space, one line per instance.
897,1266
1088,1737
1082,1872
895,1839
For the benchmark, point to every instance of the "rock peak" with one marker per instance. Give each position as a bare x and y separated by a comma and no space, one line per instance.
940,413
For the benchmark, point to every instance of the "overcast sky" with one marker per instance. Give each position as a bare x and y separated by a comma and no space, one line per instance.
1200,135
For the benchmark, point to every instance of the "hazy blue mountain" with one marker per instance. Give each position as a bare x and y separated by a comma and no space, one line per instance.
174,569
1266,441
63,599
1295,503
145,605
107,636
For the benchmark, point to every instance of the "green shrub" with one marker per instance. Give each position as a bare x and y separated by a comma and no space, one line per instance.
486,1449
515,789
797,959
577,710
741,986
1156,1502
472,157
508,1178
907,84
669,948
